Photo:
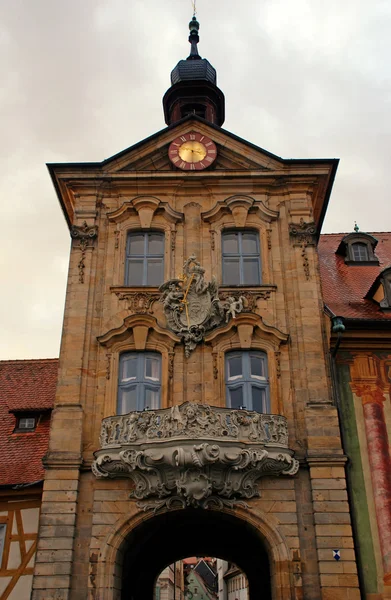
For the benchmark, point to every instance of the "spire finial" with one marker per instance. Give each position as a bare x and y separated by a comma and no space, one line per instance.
356,227
194,38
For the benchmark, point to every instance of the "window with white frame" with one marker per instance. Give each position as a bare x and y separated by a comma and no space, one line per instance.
139,382
144,258
3,528
360,252
241,258
247,383
26,423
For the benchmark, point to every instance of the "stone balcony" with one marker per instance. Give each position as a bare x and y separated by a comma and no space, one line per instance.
194,454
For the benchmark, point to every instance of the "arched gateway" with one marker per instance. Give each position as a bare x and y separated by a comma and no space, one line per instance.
132,557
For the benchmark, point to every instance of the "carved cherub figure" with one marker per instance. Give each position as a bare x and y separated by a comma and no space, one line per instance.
233,307
172,294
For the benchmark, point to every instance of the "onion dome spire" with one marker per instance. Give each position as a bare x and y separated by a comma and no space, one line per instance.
194,87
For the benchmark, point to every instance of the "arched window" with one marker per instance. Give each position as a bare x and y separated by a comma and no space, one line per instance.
139,382
247,382
144,258
360,252
241,258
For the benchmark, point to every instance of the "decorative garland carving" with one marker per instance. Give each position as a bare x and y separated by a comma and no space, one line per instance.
140,303
215,367
194,454
269,238
108,365
173,240
85,233
117,234
171,357
192,306
212,239
306,262
277,355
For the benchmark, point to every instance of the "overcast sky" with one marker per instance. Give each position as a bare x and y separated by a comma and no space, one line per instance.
83,79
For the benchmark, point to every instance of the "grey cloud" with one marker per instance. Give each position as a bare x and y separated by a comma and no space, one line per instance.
83,80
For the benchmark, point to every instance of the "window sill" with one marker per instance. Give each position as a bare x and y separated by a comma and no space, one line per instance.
133,289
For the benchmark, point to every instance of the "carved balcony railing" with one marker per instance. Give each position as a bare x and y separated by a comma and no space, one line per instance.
194,454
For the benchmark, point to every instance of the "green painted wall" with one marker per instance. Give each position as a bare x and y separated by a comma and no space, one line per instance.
364,544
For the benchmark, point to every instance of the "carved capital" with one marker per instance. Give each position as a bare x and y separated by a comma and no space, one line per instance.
369,393
303,233
84,232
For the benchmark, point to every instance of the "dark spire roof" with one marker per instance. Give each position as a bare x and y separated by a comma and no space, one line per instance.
194,86
194,67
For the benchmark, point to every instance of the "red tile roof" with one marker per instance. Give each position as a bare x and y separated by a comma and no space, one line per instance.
25,385
345,286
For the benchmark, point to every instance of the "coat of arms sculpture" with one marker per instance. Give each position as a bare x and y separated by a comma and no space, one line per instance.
192,306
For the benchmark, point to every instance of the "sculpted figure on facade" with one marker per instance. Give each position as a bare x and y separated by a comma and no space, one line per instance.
192,305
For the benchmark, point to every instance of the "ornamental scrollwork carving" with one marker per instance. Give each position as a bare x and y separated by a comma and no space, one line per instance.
140,303
193,307
194,455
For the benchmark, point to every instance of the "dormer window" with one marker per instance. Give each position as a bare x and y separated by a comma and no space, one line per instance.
358,248
380,290
385,281
25,423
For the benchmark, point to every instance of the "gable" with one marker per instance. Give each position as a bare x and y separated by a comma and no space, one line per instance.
226,160
232,153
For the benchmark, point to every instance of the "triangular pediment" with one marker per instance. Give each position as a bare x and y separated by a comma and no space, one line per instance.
233,153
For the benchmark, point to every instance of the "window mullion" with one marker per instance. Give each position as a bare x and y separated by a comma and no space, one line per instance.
145,260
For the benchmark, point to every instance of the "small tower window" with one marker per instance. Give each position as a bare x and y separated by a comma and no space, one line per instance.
360,252
139,382
247,381
241,258
144,259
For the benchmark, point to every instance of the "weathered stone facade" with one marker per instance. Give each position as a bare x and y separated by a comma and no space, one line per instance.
88,524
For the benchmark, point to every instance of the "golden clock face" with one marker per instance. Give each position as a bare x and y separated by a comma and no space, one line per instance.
192,151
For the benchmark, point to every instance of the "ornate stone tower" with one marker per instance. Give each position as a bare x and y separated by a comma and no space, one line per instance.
193,391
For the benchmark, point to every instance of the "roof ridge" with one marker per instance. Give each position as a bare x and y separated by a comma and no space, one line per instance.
367,232
27,360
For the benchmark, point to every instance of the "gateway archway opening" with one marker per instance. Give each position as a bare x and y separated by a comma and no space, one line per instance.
165,539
